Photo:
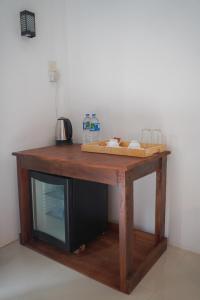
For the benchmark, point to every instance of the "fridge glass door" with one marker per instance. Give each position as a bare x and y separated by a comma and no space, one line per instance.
48,208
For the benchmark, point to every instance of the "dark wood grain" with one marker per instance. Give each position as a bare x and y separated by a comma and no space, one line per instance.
144,169
118,259
24,203
160,199
70,169
73,156
150,259
100,260
125,230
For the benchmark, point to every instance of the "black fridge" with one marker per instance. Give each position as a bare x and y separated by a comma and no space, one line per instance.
67,212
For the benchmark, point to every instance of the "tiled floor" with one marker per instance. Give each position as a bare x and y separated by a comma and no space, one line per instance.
26,275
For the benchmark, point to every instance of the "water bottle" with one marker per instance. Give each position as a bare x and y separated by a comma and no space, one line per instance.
86,129
94,128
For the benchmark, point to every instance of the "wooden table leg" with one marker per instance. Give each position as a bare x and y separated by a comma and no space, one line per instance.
24,203
125,232
160,200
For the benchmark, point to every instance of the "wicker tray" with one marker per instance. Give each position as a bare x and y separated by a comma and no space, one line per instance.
145,150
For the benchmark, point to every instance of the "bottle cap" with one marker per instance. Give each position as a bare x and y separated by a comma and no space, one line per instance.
87,115
93,114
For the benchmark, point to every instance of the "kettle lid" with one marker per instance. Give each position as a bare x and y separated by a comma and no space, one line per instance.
61,118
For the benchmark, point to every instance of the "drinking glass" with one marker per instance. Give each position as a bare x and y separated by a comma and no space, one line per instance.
146,136
156,136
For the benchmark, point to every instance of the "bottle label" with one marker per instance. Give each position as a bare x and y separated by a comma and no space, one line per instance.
95,127
86,125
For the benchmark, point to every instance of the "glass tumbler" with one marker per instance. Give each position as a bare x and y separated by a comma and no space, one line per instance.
156,136
146,136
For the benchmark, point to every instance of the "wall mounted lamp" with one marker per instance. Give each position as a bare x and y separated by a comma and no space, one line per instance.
27,20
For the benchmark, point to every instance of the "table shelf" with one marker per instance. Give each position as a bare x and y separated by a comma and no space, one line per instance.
100,260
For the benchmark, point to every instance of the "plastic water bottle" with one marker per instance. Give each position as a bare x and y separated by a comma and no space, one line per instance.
86,129
94,128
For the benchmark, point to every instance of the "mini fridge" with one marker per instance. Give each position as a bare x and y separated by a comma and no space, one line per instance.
67,212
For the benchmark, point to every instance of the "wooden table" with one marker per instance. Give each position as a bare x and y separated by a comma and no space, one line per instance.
122,256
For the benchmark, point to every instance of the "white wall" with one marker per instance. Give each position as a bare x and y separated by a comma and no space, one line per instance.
27,106
136,64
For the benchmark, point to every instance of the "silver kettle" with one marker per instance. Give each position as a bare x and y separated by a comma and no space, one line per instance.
63,131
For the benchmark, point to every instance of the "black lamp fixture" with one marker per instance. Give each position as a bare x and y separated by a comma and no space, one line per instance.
27,20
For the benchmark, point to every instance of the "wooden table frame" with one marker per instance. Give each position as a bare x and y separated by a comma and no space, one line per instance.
121,172
127,278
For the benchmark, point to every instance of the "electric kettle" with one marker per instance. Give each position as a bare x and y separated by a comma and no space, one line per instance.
63,131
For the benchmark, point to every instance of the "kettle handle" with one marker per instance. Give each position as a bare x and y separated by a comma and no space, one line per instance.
68,128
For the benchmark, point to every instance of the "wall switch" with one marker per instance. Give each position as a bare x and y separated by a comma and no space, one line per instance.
53,72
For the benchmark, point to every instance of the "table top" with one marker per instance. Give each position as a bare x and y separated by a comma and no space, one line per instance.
72,154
